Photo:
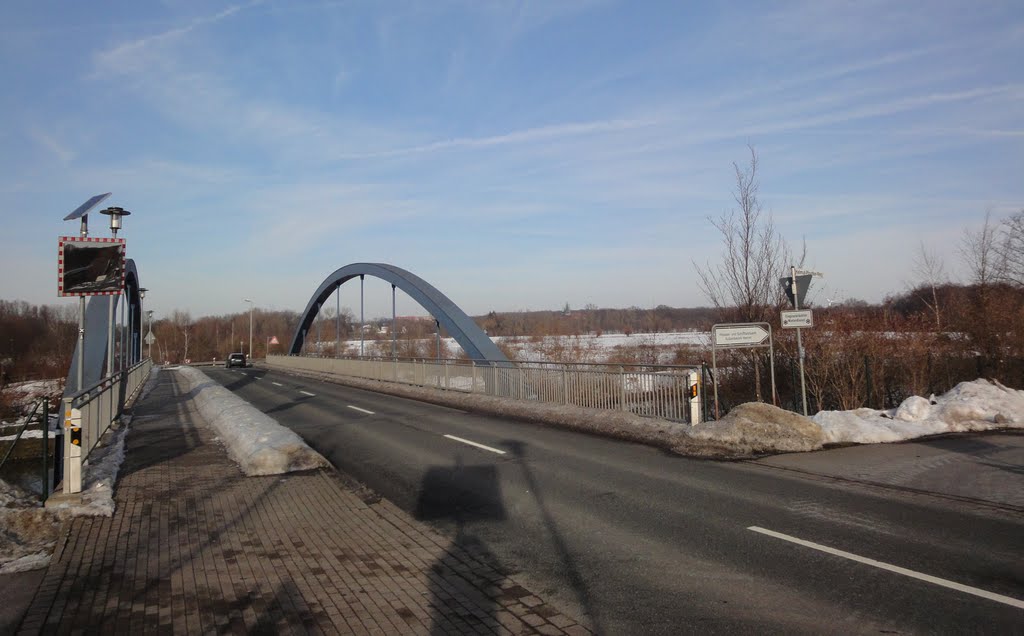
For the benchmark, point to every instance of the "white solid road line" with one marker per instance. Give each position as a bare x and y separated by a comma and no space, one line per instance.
277,384
307,393
471,443
967,589
356,408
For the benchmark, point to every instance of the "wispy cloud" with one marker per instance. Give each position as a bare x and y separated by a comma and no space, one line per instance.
50,143
134,54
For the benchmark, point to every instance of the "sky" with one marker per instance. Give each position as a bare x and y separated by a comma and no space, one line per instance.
516,155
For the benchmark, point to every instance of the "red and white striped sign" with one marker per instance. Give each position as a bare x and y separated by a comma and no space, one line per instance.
64,288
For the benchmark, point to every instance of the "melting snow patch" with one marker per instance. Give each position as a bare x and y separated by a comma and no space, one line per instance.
255,441
979,405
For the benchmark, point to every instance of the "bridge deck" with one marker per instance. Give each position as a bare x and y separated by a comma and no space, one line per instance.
195,547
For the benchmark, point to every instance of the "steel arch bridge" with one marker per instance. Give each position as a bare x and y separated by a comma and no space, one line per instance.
461,327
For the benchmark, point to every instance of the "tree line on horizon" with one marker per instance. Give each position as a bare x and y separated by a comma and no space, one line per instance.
921,340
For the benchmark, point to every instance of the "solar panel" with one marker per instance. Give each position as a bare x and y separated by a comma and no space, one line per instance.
85,207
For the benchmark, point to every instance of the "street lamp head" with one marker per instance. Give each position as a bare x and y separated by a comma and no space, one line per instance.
142,292
115,215
246,300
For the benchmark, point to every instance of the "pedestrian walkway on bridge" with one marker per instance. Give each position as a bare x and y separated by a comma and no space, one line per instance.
196,547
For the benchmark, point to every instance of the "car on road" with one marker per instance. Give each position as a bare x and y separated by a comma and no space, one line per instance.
235,360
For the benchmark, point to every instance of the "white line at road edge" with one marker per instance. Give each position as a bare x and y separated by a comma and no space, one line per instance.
356,408
967,589
277,384
308,393
466,441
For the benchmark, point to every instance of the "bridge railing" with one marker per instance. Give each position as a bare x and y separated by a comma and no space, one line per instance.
89,413
650,390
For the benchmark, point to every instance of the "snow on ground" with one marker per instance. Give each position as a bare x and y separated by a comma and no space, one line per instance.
30,531
589,348
979,405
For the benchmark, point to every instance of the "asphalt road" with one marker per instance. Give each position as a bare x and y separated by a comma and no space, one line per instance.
634,540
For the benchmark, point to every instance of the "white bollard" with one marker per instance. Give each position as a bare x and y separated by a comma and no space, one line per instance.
694,395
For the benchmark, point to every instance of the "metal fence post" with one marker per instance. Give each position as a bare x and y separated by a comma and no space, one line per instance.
622,387
46,448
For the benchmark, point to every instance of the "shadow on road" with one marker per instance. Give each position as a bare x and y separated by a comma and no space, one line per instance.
579,586
461,494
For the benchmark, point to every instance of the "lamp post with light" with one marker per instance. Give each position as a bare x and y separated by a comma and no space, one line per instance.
142,297
115,215
251,305
149,314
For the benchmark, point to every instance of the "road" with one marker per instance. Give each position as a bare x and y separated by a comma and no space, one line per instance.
635,540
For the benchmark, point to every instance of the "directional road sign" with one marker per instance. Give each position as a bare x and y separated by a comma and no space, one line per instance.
751,334
150,338
797,319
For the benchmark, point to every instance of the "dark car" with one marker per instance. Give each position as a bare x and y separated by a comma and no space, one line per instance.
235,360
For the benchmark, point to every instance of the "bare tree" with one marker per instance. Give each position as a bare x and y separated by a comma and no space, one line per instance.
744,286
981,252
930,270
1011,249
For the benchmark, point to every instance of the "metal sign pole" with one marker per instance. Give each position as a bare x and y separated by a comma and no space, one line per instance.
799,343
771,362
110,336
714,377
81,341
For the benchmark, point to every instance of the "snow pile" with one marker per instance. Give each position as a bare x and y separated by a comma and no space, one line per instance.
255,441
30,531
752,429
979,405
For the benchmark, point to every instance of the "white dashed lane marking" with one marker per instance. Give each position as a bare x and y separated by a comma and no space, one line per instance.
356,408
960,587
476,444
277,384
308,393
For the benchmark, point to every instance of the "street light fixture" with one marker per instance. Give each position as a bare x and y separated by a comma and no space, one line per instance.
115,215
251,305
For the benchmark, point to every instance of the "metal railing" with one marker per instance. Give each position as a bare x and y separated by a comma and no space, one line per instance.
90,412
648,390
40,413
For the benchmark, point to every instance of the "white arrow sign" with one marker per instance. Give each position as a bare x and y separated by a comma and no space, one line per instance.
742,335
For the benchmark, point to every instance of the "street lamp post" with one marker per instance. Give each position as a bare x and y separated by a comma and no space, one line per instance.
149,314
142,297
251,305
115,215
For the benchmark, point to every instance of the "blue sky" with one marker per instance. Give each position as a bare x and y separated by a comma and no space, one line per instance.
517,155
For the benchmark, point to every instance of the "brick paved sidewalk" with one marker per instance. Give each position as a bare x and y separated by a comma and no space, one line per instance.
196,547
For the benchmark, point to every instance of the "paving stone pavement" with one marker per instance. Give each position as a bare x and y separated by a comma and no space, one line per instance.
195,547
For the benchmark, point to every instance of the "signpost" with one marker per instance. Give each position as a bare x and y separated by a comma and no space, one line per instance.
795,286
741,336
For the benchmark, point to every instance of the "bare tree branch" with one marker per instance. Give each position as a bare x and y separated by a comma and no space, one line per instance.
744,285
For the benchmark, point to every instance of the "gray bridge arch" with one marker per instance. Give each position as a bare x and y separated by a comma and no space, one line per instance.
96,333
470,337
